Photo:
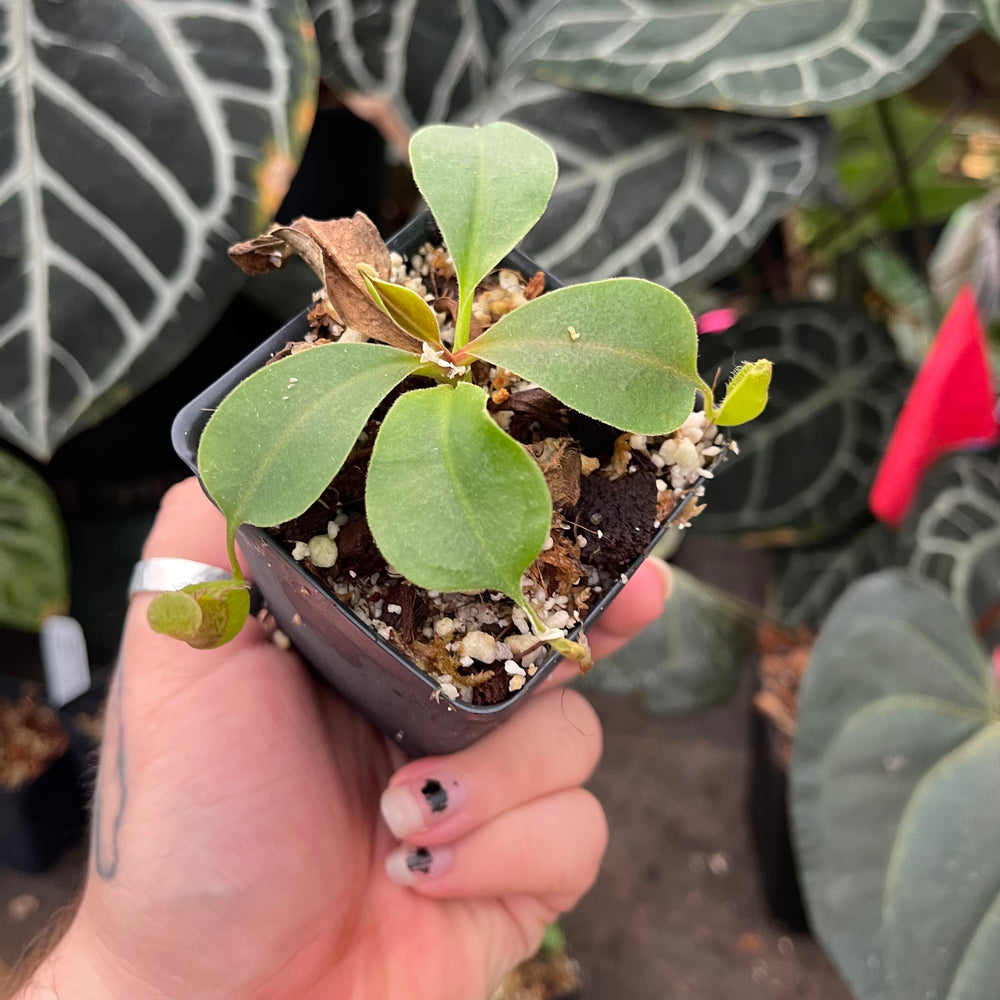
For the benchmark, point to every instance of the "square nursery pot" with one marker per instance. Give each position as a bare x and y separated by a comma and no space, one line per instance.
40,817
395,695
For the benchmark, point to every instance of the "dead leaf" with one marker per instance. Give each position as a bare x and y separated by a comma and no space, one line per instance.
535,286
332,249
622,457
559,460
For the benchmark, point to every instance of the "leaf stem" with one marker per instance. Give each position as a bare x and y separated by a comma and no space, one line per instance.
463,321
231,550
905,178
916,158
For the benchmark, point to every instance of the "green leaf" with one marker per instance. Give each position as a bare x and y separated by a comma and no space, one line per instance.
452,501
280,436
138,138
580,341
941,910
403,306
692,657
760,56
34,559
204,615
486,187
746,394
897,838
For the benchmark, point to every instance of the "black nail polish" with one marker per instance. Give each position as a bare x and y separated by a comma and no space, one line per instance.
419,860
437,797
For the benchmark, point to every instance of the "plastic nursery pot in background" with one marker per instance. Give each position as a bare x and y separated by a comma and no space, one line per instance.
42,814
394,694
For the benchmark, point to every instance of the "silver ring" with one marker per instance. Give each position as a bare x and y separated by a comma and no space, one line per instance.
163,573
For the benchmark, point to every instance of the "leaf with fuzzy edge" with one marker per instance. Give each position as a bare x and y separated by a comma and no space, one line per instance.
280,436
622,351
486,187
746,394
453,502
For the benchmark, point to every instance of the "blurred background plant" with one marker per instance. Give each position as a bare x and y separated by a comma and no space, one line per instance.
819,184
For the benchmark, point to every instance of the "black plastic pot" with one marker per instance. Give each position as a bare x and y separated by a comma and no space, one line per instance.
41,817
395,695
767,805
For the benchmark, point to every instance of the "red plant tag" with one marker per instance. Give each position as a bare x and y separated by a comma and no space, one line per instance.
951,405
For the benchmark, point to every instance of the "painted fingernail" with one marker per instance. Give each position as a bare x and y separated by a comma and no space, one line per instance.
411,865
408,809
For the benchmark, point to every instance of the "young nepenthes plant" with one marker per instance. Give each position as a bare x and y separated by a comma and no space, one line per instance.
453,502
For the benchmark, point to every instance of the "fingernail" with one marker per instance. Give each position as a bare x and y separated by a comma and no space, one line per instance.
408,809
408,866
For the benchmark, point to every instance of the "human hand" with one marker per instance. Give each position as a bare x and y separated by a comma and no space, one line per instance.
238,850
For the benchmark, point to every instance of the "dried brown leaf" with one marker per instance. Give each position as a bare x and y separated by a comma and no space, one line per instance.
332,249
559,460
535,286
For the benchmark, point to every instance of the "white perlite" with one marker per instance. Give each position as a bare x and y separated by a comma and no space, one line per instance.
480,646
322,551
300,551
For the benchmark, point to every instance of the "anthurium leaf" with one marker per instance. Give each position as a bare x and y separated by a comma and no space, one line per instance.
486,187
941,909
953,534
138,138
452,501
811,578
898,698
693,656
746,394
579,341
280,436
426,60
204,615
675,196
759,56
805,466
403,306
34,558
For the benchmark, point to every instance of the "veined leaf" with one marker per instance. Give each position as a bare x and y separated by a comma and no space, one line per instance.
894,778
673,196
428,59
579,342
403,306
806,464
278,439
952,533
453,502
760,56
486,187
139,139
34,560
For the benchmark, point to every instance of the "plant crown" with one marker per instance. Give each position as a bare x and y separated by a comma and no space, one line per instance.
453,502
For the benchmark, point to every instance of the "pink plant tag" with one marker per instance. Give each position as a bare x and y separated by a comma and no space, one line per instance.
951,405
